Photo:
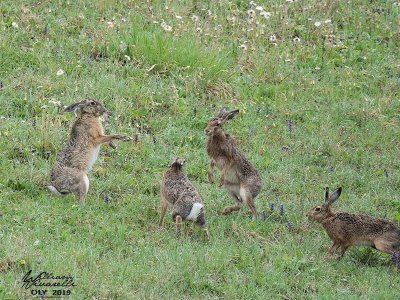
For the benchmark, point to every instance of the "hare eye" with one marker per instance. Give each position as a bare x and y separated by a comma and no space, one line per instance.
92,103
317,208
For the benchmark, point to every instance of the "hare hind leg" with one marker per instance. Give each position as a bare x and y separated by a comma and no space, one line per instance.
246,196
69,180
164,206
234,191
83,188
178,222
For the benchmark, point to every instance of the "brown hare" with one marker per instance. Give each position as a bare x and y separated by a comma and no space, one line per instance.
74,162
238,177
176,189
345,229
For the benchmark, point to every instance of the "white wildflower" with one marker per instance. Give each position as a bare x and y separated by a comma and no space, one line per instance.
55,103
328,21
36,243
296,40
260,8
195,18
166,27
266,14
110,24
14,24
252,3
317,24
43,106
60,72
272,38
199,30
178,17
244,47
209,13
289,1
122,46
127,57
251,13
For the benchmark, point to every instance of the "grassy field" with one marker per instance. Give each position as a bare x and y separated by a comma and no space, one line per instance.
329,68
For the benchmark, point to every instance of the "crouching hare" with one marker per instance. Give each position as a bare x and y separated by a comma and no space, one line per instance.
345,229
176,189
74,162
238,177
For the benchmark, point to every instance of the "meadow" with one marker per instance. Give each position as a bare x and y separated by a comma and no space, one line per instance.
317,84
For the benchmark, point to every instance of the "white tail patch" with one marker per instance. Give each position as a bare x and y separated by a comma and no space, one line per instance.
194,213
54,190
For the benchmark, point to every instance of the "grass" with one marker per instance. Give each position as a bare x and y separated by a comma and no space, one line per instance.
337,82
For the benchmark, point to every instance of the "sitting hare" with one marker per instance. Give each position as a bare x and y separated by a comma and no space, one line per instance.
239,178
346,229
177,190
74,162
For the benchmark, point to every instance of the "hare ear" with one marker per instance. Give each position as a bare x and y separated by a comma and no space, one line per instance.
231,114
326,194
73,107
335,195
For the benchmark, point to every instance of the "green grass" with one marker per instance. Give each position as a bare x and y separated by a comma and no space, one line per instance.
340,86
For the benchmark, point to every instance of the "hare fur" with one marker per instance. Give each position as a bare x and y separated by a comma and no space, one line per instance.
345,229
74,162
177,190
238,177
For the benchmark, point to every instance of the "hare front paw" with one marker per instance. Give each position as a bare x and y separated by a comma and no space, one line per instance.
211,178
123,138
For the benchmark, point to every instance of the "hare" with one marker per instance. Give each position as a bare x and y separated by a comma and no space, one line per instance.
239,178
177,190
346,229
74,162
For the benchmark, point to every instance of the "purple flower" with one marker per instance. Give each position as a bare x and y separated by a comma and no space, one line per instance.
398,261
263,215
285,148
251,130
272,207
281,210
386,172
332,169
290,125
267,112
106,198
258,110
289,225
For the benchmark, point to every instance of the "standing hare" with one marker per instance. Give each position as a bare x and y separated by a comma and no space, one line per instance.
345,229
74,162
177,190
239,178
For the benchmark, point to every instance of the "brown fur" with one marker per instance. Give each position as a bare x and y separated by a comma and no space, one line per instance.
177,190
238,177
74,162
345,229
